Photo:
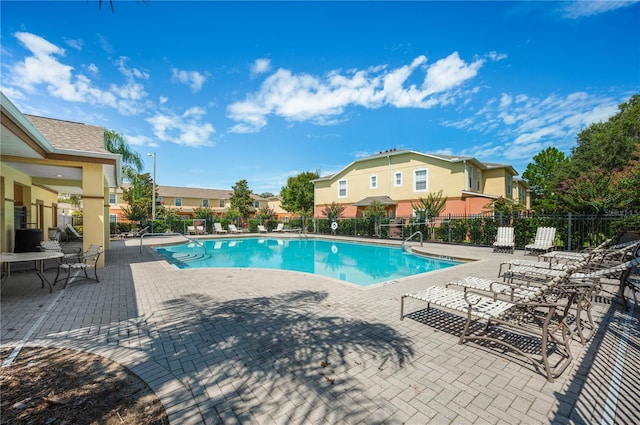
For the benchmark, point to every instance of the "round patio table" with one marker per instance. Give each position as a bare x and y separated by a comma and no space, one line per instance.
8,258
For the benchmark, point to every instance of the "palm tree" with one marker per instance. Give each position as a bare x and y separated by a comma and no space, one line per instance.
131,161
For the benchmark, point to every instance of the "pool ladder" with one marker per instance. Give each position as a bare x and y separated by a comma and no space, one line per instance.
417,232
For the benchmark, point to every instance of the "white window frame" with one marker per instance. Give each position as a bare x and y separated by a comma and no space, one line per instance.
256,204
113,218
341,183
205,203
397,179
470,176
479,181
373,181
416,181
221,203
115,198
177,202
509,187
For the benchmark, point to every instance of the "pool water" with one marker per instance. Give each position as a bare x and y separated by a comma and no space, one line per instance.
357,263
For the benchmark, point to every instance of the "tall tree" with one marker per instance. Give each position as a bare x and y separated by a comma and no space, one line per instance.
542,173
131,161
297,195
241,199
139,197
608,145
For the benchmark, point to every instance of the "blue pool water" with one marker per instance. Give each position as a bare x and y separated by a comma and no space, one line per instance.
360,264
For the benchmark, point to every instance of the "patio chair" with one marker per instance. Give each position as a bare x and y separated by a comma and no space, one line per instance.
233,229
262,229
505,240
543,242
86,261
279,228
73,231
530,316
217,228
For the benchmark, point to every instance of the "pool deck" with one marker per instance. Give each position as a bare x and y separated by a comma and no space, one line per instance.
263,346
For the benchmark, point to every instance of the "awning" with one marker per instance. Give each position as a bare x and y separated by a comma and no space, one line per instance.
384,200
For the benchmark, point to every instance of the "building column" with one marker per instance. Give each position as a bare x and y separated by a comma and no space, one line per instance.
93,210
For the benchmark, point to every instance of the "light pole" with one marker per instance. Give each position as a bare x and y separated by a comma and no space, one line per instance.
153,197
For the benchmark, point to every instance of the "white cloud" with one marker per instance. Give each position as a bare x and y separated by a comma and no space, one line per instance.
43,69
322,99
188,129
524,127
193,79
581,9
260,66
141,141
75,44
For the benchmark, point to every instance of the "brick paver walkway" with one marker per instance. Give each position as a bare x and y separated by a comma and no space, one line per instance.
256,346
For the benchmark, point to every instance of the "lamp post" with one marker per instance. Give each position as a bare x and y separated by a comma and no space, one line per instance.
153,197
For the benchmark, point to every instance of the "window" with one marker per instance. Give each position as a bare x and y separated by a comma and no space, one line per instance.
479,181
421,180
113,218
221,204
342,188
397,178
112,198
470,175
256,204
177,202
509,187
205,203
373,182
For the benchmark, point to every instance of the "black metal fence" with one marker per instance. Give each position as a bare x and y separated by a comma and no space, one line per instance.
573,231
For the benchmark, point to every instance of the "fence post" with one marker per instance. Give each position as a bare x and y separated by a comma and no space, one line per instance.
569,231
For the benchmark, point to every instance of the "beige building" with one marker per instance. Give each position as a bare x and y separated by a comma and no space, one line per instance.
398,178
185,201
42,157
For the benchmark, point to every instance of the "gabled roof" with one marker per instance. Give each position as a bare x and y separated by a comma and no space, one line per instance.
70,135
193,192
446,158
384,200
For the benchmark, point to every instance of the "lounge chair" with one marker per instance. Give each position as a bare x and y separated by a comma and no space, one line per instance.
279,228
233,229
530,315
543,242
191,230
85,261
261,228
137,233
73,231
217,228
505,240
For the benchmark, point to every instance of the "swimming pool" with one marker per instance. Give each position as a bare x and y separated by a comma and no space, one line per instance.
357,263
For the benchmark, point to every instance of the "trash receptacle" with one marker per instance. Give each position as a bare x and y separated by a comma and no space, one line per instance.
28,240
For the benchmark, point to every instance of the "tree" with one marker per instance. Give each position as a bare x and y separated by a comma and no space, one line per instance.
333,211
373,213
297,195
608,145
131,160
139,197
266,195
430,208
241,199
543,173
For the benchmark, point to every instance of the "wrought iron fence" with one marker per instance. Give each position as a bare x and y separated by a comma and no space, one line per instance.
573,231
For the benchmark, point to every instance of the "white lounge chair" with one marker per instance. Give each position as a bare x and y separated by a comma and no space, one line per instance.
73,231
233,229
261,228
217,227
548,324
543,242
279,228
505,240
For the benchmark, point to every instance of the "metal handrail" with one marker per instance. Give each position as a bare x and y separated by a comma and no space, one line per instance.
196,241
412,235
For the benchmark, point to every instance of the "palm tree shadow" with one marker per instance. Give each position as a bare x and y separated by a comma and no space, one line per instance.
278,357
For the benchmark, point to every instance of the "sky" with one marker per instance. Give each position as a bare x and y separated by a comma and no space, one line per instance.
262,91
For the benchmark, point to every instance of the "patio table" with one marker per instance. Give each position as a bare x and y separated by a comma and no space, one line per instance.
8,258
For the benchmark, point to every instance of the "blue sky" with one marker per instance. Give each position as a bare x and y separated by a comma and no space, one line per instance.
223,91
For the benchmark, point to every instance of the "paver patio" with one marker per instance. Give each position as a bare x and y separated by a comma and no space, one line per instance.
256,346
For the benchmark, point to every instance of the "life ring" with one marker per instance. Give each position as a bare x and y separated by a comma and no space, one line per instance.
334,249
334,225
